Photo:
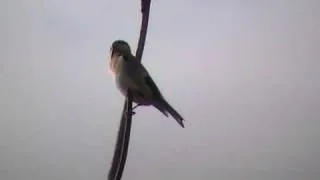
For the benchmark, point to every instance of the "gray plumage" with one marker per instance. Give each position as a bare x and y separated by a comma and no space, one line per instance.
131,74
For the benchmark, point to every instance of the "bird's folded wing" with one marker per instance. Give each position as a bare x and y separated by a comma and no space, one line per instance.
142,78
152,85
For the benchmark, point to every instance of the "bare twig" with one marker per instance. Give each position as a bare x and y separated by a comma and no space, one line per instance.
145,8
121,150
123,139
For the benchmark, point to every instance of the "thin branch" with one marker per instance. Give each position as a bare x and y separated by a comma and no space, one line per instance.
145,8
121,150
123,139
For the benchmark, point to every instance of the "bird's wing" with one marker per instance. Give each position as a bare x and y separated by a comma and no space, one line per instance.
161,104
150,82
141,77
152,85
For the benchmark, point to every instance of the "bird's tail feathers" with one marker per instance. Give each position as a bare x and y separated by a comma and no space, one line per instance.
161,109
166,109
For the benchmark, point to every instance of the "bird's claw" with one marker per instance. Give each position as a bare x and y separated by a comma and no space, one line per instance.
132,113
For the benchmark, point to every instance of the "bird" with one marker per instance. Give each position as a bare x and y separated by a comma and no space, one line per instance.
130,74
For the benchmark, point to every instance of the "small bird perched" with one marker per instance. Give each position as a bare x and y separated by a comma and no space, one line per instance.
129,74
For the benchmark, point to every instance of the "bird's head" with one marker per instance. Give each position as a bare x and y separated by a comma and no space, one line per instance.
120,48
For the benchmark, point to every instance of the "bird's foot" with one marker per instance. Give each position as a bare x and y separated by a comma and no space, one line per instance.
134,107
132,113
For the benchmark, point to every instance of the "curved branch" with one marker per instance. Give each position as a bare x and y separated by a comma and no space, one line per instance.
145,8
123,139
121,150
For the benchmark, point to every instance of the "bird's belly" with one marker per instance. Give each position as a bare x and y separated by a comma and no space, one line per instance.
123,83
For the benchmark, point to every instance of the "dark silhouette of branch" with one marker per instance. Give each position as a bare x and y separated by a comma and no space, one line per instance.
145,8
121,149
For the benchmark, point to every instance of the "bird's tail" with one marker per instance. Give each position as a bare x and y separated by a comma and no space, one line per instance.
166,109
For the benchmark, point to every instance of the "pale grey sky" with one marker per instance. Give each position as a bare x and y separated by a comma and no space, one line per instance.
244,74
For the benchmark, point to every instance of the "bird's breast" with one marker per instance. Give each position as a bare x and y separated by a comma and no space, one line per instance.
130,77
124,82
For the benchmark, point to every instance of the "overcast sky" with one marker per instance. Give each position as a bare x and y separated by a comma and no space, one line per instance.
244,74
